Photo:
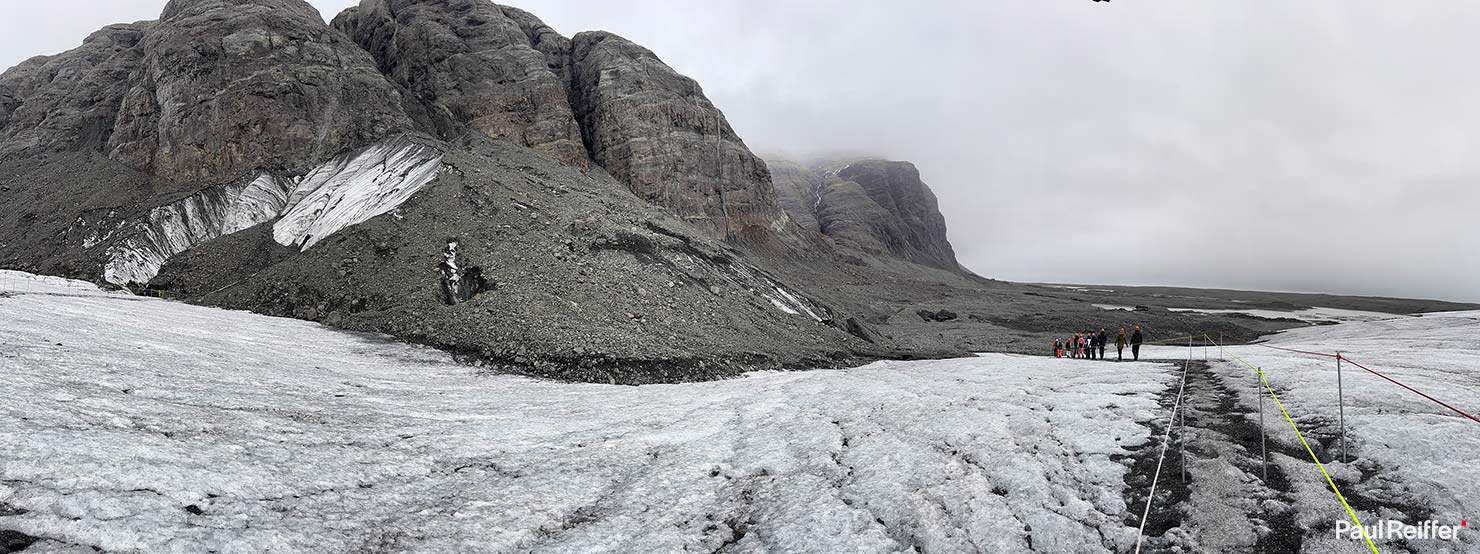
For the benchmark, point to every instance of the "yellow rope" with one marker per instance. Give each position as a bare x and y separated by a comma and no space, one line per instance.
1308,450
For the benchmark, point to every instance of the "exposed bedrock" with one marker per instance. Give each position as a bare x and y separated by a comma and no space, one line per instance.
152,131
72,100
472,65
228,87
653,129
798,190
595,97
874,206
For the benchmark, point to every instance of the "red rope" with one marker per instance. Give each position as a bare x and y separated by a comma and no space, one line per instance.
1297,351
1415,391
1369,370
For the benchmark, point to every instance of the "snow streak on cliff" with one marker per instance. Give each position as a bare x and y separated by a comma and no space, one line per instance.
353,189
176,227
338,194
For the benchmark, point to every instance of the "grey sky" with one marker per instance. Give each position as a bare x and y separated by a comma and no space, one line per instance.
1323,145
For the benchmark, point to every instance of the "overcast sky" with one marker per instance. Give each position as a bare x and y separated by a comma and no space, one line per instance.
1262,144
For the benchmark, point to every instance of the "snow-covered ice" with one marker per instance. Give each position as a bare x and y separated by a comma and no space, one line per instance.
1427,455
1311,315
20,282
150,426
353,189
178,226
140,425
338,194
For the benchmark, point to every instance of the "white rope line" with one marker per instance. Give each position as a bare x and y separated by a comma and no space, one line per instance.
1166,440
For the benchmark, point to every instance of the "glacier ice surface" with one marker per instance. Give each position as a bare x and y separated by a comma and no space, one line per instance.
355,188
178,226
152,426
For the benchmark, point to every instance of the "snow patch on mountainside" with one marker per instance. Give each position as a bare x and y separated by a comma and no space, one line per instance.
355,188
341,193
178,226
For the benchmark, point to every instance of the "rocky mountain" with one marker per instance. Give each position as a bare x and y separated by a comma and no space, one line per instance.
451,172
597,96
154,137
457,174
877,207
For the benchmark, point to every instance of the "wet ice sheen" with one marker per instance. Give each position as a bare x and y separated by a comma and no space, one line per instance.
290,437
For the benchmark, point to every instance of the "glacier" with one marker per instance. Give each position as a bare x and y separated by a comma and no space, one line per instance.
1403,449
180,225
141,425
355,188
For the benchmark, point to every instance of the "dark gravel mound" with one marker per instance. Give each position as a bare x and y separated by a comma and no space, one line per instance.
589,282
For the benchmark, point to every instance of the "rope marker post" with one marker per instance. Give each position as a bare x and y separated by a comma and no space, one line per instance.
1182,434
1263,450
1341,407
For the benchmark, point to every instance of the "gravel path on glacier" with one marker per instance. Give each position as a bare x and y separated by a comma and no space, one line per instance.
137,425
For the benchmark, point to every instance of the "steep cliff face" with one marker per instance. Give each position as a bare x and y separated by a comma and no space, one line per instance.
154,137
874,206
70,101
227,87
654,130
471,65
798,192
594,98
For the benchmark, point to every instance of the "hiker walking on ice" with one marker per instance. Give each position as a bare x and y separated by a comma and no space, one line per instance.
1136,340
1120,342
1102,339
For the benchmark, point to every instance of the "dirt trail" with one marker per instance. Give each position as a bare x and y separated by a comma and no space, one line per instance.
1212,495
1229,500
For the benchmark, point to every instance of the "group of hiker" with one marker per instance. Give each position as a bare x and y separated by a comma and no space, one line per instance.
1091,345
